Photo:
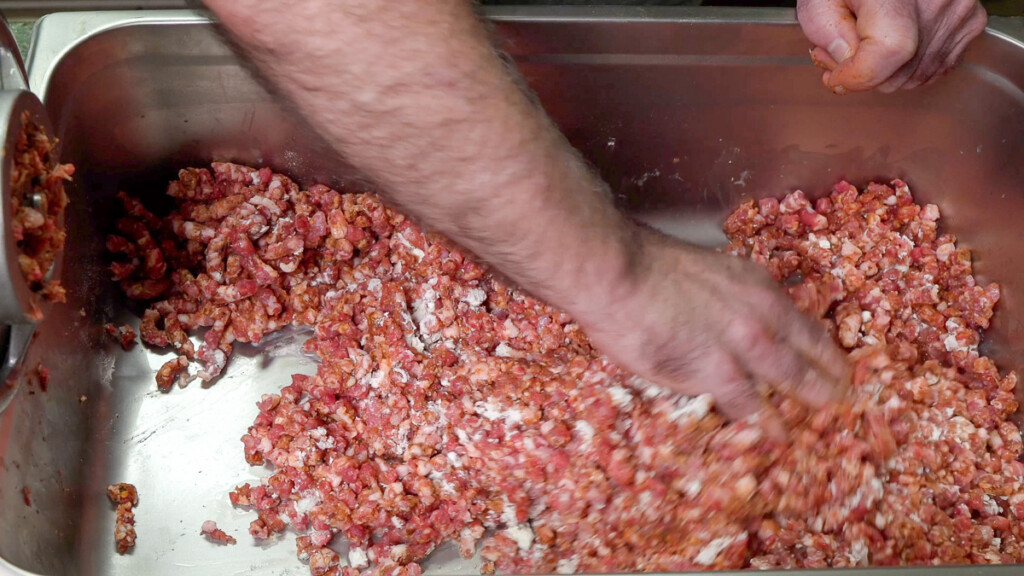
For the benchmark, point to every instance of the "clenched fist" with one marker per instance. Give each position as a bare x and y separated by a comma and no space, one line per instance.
702,322
888,44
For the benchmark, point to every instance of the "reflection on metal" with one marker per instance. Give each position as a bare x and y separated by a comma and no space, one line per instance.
12,68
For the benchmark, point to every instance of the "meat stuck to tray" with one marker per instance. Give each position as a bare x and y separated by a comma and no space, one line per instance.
37,203
447,406
125,497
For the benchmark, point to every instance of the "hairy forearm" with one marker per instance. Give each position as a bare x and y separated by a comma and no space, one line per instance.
414,95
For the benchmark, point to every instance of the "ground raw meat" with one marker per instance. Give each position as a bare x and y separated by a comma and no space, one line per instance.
125,497
124,335
216,535
37,207
448,406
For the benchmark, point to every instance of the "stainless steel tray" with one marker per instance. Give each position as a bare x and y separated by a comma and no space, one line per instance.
684,111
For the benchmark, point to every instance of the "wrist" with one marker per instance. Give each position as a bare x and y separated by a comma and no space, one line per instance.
610,272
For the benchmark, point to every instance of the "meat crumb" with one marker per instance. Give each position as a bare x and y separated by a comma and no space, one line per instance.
42,377
215,534
126,498
124,334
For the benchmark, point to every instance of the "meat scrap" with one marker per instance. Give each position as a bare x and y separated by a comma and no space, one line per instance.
125,497
37,202
124,334
216,535
448,406
38,377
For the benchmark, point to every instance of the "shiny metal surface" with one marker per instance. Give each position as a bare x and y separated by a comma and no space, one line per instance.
12,66
685,112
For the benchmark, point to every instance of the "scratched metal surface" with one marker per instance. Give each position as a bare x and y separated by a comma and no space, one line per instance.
685,113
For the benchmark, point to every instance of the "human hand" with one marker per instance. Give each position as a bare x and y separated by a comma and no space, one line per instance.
701,322
888,44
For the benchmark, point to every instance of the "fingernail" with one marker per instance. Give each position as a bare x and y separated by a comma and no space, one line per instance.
839,90
839,49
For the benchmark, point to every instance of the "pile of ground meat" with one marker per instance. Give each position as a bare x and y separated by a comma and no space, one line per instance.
448,406
37,205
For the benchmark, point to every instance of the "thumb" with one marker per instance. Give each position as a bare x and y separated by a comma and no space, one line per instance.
829,25
888,40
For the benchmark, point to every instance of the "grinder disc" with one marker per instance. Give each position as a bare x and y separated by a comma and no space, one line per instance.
19,303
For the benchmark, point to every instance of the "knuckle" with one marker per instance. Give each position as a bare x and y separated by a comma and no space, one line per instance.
960,10
978,21
748,336
674,363
791,370
900,46
795,384
808,12
737,397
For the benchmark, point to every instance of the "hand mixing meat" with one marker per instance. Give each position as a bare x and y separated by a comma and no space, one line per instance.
429,111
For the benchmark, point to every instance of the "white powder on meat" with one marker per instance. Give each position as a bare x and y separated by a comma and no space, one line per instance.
692,409
620,396
522,534
475,297
585,430
708,554
568,565
357,558
503,350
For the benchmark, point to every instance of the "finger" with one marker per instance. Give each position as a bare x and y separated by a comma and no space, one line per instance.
819,374
928,69
735,395
970,31
770,421
761,299
827,374
889,38
952,61
900,77
829,25
826,76
965,28
822,59
955,57
775,363
830,377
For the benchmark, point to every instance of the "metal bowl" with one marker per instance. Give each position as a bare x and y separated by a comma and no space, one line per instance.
684,111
